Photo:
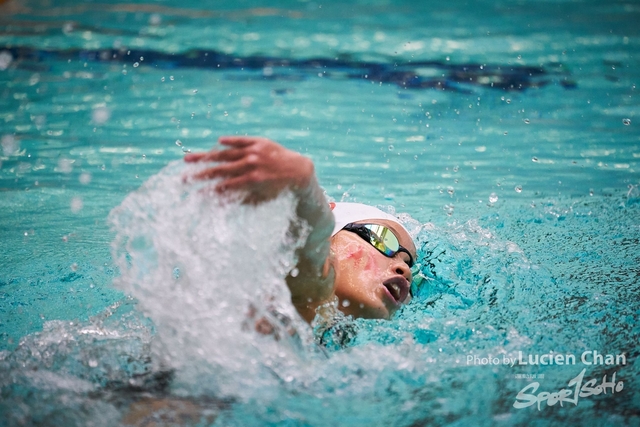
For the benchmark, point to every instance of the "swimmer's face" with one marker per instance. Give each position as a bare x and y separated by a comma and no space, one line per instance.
368,283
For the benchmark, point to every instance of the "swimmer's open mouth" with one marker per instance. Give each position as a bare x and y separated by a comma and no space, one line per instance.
398,287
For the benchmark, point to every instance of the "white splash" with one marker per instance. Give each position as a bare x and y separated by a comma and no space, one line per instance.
199,265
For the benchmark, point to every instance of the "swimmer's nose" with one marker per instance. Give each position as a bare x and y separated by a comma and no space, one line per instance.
399,266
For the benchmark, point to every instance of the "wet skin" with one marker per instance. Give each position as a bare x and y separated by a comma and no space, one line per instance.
361,272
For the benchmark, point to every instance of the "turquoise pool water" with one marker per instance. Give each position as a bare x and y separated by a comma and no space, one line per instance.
505,132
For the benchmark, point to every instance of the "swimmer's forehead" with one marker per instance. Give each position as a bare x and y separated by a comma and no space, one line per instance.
402,235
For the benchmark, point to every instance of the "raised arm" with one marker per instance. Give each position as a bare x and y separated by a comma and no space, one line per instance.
262,169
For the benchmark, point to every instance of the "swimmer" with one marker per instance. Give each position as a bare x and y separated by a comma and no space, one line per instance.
355,257
354,253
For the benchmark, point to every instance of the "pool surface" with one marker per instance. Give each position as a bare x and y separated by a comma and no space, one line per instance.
504,134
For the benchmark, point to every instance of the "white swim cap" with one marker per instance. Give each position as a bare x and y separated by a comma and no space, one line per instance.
346,213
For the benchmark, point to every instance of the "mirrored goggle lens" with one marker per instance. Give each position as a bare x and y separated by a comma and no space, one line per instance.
383,239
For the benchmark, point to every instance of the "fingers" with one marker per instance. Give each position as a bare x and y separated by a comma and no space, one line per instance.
194,157
235,152
239,141
231,169
228,155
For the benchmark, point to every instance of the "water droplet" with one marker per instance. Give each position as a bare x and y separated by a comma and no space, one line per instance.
626,122
505,132
534,159
195,91
162,79
9,145
508,101
176,273
5,60
100,115
591,191
527,121
346,303
178,143
226,114
124,72
518,188
74,267
185,150
85,178
171,78
415,157
451,190
65,165
294,272
448,209
93,363
456,168
493,197
193,115
76,204
135,65
155,19
391,147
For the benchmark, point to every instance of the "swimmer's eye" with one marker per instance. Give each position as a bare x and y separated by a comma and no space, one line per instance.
381,238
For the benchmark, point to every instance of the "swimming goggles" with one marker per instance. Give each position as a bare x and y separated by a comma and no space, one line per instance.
381,238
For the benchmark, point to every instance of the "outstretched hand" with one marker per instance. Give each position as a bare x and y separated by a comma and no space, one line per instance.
262,169
258,166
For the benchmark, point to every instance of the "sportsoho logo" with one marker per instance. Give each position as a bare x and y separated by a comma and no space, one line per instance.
577,387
